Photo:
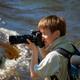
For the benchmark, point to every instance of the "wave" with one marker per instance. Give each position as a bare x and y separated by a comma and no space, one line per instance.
10,68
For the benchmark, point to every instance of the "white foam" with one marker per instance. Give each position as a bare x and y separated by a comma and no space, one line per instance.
17,65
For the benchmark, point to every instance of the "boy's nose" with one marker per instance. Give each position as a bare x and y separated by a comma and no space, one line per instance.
44,36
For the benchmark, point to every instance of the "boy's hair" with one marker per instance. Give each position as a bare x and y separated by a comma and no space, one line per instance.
53,23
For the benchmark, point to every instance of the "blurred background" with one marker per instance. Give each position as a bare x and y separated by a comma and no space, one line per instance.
23,16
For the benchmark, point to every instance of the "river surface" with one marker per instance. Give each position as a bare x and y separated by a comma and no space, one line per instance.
22,16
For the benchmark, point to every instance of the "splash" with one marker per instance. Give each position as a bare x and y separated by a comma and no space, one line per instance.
12,69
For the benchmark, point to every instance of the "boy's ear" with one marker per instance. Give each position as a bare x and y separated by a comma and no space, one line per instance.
57,33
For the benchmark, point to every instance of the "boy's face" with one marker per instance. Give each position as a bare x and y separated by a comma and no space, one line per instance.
47,36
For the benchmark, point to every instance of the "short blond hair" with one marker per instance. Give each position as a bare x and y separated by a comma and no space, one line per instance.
53,23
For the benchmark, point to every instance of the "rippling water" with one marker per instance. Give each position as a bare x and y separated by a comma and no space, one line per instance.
23,15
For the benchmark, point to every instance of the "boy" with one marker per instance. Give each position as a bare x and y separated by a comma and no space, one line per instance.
53,29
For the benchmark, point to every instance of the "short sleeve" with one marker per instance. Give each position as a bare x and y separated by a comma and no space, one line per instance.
49,65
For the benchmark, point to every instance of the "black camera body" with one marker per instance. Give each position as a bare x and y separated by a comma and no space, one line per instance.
35,37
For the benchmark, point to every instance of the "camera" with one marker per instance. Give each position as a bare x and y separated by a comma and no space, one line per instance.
35,37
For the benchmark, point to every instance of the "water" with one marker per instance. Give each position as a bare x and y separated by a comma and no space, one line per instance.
23,15
14,69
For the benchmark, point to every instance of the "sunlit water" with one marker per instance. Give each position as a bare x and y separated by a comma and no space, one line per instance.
12,69
22,16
